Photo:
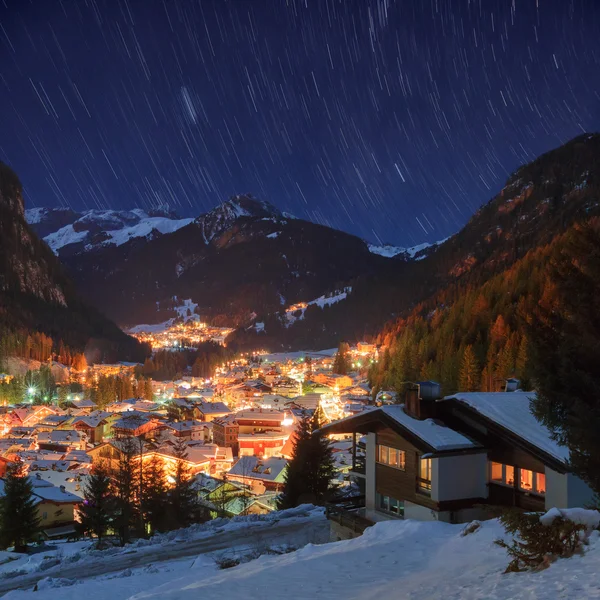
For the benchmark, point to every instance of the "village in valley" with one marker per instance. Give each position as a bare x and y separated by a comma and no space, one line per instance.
237,428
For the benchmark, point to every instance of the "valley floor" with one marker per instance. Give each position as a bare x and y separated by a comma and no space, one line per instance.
392,560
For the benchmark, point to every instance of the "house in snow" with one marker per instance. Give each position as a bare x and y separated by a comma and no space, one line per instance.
453,459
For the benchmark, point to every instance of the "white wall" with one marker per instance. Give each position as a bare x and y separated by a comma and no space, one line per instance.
371,449
556,489
565,490
419,513
458,477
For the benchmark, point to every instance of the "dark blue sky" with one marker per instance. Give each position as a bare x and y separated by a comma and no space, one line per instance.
390,119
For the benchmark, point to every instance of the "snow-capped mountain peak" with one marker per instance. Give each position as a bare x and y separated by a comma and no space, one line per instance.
418,252
222,217
93,228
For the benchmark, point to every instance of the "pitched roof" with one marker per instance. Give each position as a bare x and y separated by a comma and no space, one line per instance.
511,411
254,467
433,434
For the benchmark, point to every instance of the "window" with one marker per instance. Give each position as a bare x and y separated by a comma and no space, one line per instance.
390,505
391,457
425,475
510,475
540,483
528,481
497,472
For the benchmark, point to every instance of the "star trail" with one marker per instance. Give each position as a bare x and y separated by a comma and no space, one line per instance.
393,120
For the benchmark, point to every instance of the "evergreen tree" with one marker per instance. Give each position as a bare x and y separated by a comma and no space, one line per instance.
19,520
342,362
125,490
154,495
564,335
469,371
148,391
183,500
310,472
98,508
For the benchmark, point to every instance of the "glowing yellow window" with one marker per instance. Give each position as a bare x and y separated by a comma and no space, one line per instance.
526,480
496,472
540,483
509,478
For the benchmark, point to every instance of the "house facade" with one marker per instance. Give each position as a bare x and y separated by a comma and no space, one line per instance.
458,458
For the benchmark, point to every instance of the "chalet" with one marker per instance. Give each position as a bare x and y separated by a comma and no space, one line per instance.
96,425
364,348
260,474
225,433
336,382
55,507
207,411
62,440
187,430
134,424
455,458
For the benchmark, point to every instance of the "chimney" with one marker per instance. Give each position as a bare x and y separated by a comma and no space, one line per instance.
511,385
62,488
420,399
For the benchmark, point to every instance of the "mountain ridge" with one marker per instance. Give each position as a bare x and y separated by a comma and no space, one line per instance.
36,296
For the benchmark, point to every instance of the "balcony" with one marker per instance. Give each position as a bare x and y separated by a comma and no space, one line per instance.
348,514
358,465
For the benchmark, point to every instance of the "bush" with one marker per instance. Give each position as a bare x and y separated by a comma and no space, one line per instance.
226,562
538,540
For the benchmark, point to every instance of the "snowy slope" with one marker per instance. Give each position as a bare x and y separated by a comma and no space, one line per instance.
296,312
95,228
417,252
394,560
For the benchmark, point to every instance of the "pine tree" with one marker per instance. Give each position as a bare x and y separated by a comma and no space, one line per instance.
310,472
522,363
155,495
19,520
183,498
125,490
148,391
469,371
341,363
564,335
98,508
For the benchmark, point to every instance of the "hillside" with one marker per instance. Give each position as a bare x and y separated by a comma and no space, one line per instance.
471,332
287,283
393,560
242,259
36,297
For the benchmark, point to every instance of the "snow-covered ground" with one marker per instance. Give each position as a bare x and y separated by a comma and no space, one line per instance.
117,573
285,356
293,314
393,560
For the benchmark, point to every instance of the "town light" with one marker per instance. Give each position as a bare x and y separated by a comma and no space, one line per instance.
31,391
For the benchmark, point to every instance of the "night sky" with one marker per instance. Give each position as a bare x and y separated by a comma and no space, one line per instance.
390,119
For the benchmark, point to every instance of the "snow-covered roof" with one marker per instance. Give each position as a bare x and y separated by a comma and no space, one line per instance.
432,432
254,467
511,410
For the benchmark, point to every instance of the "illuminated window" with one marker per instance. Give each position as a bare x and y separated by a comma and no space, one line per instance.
509,477
540,483
497,472
425,475
529,481
391,457
526,480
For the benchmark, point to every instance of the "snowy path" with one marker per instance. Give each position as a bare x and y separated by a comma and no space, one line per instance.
254,535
